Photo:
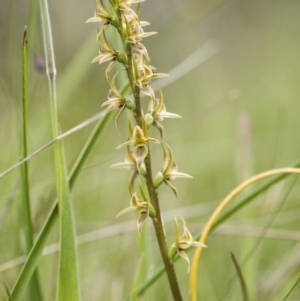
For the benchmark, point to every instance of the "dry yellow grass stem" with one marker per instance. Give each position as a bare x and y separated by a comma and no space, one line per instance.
219,209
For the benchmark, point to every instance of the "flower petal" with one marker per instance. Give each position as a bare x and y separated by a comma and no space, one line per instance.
178,174
160,128
124,144
185,257
140,153
128,209
141,220
118,115
197,244
165,114
172,187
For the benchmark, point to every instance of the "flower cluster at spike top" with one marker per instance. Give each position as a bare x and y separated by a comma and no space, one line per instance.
134,58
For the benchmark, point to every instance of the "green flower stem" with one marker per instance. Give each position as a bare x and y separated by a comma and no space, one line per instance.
129,69
157,222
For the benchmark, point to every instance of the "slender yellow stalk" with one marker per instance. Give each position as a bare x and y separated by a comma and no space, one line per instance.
219,209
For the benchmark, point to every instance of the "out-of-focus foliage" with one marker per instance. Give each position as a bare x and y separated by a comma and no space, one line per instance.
240,112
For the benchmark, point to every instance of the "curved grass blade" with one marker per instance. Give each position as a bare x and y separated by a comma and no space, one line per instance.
34,287
159,272
251,196
220,208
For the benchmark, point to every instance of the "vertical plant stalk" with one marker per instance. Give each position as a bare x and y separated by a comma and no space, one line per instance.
157,221
210,224
68,280
34,287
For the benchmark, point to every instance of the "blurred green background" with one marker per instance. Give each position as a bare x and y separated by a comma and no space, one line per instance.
240,107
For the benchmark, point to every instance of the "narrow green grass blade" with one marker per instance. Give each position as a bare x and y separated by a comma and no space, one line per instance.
34,256
291,290
88,147
137,279
68,279
7,291
34,287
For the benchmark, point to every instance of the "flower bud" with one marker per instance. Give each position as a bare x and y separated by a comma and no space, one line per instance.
159,178
114,22
129,105
172,251
152,212
121,58
149,119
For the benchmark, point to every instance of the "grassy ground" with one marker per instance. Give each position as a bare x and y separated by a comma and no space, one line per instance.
240,114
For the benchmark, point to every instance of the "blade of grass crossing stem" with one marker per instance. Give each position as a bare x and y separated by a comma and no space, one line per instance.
68,280
34,287
87,149
160,271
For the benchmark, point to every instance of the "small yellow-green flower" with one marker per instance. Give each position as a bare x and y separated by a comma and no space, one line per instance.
130,163
141,206
183,242
139,142
102,15
145,73
116,100
135,31
159,112
169,171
